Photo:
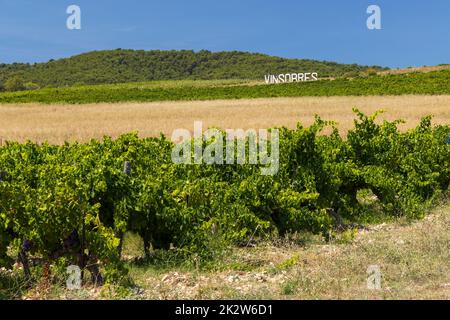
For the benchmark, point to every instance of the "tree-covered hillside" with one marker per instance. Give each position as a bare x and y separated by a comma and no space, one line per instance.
119,66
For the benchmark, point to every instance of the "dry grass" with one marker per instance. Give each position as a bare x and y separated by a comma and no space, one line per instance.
414,260
416,69
59,123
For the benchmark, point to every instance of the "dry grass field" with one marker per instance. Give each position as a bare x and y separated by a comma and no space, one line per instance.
417,69
59,123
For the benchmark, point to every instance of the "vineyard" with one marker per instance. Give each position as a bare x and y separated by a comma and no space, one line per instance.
437,82
72,204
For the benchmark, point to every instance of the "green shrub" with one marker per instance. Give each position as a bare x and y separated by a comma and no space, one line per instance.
372,72
15,83
31,86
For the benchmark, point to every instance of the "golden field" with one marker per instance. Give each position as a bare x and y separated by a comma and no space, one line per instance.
59,123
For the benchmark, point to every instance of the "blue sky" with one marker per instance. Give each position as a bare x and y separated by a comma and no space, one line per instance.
414,32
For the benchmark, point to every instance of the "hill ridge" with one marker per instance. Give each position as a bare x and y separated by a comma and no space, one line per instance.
127,65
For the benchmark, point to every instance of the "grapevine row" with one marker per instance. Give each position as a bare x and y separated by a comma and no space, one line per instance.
75,201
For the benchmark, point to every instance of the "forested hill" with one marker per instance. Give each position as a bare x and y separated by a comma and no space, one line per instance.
119,66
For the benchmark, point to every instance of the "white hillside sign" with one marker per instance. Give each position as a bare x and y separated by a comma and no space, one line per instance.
291,77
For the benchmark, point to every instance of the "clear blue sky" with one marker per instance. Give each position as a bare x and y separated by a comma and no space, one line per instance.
415,32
